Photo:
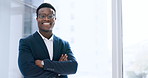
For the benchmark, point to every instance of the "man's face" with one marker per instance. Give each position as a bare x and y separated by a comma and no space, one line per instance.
46,19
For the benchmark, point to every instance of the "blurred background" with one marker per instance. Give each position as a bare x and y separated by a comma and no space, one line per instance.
87,26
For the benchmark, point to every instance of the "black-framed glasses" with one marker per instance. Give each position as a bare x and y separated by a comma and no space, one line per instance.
43,16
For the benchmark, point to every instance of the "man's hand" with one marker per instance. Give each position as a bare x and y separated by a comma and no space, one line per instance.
63,57
39,63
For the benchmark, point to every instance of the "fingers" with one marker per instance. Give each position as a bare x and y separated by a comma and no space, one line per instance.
63,57
38,63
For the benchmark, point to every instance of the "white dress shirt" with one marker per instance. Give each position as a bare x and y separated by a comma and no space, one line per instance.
49,45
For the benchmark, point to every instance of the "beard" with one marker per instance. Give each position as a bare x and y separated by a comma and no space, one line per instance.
50,30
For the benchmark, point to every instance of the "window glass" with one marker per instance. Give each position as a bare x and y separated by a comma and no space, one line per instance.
135,39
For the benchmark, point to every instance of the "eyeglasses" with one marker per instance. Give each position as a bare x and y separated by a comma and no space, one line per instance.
48,16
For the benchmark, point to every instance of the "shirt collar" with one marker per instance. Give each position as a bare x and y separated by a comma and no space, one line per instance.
51,38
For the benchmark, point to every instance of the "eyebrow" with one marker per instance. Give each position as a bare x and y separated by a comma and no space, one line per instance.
45,14
53,12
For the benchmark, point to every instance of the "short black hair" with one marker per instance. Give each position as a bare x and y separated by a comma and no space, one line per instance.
45,5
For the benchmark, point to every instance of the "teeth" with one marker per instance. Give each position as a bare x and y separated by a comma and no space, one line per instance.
46,23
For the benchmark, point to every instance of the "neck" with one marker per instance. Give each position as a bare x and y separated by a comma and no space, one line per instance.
46,34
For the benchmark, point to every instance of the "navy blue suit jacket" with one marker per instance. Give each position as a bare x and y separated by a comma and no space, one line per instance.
33,48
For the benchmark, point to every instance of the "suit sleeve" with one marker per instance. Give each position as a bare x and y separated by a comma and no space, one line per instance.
26,61
62,67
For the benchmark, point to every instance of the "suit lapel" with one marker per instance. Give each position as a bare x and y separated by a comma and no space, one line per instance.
56,47
41,44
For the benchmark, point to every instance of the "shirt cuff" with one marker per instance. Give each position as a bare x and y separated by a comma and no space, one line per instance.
42,62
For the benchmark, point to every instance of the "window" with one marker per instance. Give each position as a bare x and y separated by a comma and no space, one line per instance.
135,39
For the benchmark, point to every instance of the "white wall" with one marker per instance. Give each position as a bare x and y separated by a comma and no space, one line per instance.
5,36
10,32
86,25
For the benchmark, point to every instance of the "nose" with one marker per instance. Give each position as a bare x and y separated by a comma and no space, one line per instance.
46,18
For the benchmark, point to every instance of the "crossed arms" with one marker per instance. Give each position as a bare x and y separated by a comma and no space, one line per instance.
62,58
33,68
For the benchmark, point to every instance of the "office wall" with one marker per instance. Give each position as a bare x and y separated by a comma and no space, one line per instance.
10,32
5,36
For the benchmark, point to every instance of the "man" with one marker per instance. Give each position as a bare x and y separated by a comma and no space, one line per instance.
42,54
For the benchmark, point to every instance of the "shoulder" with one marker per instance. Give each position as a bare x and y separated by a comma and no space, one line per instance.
30,37
58,39
60,42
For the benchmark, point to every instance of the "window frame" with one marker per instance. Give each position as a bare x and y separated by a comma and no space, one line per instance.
117,43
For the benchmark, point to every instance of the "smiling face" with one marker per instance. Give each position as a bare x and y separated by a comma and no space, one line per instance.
46,19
